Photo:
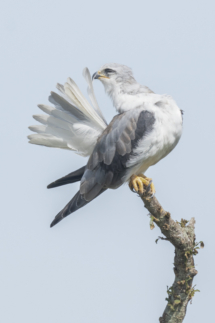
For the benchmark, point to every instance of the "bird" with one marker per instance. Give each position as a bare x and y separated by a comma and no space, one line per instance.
146,128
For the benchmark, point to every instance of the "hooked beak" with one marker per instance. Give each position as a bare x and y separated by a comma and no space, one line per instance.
98,75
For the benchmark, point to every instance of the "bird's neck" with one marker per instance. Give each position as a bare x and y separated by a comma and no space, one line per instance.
121,100
126,96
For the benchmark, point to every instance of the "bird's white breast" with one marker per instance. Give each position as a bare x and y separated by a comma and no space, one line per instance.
165,135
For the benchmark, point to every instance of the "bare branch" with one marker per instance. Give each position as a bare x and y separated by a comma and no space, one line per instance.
182,236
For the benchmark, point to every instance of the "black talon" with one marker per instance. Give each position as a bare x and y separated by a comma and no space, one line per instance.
148,187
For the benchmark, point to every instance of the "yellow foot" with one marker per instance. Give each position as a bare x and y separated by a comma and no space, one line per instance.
141,184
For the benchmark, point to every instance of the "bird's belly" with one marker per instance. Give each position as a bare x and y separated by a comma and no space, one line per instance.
153,158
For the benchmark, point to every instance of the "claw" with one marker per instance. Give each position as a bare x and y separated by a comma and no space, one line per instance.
141,184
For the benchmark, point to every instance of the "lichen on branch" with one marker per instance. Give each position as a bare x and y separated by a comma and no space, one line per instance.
182,236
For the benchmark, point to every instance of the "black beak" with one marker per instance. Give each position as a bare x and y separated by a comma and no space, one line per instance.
95,76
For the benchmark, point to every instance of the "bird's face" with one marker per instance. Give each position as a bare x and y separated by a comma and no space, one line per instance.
107,76
112,75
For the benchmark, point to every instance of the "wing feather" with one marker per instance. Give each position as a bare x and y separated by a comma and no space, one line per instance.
107,165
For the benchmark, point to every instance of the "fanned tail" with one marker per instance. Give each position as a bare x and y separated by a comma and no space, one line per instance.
72,123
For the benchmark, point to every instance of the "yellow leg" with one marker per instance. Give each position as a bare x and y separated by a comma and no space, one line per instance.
141,183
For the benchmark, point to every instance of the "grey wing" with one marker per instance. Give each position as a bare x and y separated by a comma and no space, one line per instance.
106,167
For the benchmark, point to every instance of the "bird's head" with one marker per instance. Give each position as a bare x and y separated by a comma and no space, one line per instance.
120,85
113,76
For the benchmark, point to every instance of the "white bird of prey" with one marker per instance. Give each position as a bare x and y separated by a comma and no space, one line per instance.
146,129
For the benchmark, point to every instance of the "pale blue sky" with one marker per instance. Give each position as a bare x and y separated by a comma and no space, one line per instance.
101,264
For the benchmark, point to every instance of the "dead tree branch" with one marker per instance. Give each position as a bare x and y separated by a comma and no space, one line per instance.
182,236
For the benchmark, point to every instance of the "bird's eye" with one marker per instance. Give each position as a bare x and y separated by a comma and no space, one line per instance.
109,71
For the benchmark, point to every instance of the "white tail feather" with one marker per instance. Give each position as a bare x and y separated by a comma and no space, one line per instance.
90,91
72,123
48,141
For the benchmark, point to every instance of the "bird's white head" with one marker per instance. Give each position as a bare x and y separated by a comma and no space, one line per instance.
120,84
113,75
118,80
